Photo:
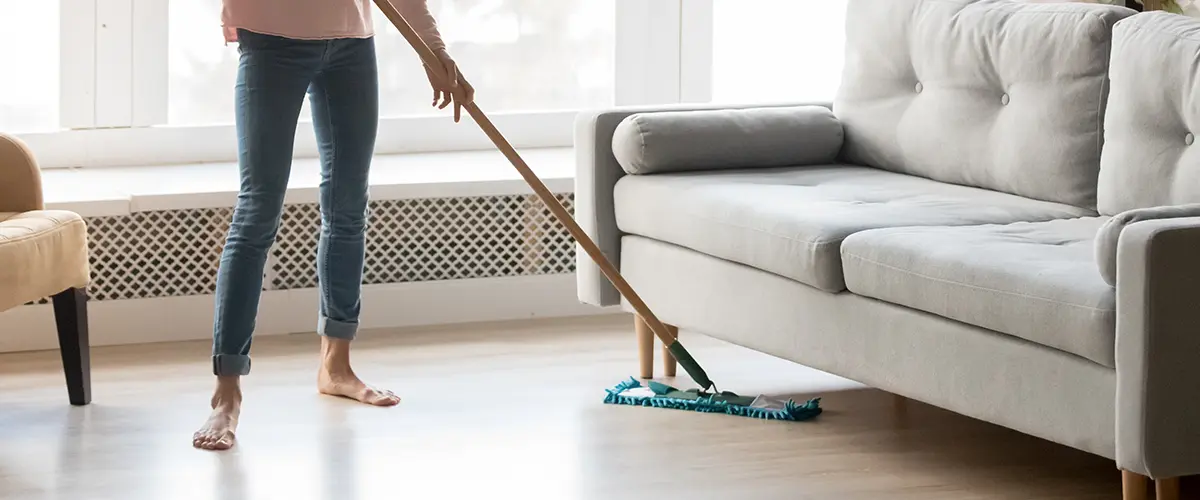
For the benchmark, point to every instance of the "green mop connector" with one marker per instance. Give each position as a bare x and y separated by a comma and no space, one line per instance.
690,365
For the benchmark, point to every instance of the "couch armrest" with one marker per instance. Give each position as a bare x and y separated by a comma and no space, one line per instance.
1158,348
1110,233
681,141
596,174
20,179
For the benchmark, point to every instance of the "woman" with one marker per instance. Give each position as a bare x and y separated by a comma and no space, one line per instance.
288,48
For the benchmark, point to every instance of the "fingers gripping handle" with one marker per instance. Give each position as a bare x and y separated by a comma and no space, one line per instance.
560,212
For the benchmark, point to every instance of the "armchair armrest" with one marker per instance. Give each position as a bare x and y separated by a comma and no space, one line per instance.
20,179
1158,347
596,173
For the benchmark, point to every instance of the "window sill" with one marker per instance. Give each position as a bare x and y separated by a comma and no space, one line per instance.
112,191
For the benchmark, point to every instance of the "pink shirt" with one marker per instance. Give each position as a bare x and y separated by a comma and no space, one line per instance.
321,19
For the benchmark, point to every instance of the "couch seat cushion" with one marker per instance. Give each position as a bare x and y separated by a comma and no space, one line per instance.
791,221
41,253
1037,281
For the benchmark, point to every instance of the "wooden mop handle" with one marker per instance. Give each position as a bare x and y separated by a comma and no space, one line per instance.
560,212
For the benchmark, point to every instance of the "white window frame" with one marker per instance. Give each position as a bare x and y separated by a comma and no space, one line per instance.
114,92
77,64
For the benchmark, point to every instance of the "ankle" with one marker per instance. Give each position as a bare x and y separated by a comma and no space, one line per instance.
227,402
335,370
228,394
335,356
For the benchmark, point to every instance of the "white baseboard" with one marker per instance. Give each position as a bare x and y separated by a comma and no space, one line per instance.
169,319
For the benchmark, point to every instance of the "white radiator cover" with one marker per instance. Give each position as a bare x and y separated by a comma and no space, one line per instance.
176,253
428,261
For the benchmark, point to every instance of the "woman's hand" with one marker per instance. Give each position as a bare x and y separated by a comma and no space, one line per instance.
448,86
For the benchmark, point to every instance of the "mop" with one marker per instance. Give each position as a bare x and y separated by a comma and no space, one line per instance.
631,392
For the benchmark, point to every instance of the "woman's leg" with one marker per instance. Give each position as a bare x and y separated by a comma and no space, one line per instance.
345,103
273,75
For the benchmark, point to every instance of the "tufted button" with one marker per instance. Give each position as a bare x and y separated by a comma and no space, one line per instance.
1189,139
1004,99
920,87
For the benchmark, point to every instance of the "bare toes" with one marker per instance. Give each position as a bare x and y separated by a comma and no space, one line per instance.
213,440
383,398
352,388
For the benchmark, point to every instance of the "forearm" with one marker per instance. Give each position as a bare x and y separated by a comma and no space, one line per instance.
416,12
1158,347
20,179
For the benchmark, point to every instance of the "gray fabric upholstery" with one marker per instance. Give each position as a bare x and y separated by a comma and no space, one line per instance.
596,172
1015,322
965,91
1158,348
679,141
1150,155
1106,239
1036,281
994,377
791,221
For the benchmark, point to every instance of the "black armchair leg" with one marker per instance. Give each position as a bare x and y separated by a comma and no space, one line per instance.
70,313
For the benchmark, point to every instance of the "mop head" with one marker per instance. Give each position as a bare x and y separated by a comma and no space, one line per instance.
632,392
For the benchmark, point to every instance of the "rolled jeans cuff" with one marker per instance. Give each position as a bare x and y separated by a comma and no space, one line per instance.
225,365
336,329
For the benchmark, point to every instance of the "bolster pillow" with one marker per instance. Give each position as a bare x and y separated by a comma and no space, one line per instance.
1110,233
677,141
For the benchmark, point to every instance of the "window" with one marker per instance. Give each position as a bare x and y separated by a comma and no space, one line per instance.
127,82
29,89
520,55
794,54
201,68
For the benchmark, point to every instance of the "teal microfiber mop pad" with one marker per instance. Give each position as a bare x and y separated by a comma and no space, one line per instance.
659,395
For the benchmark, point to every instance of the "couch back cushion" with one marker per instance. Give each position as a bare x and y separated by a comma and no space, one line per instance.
1150,156
998,94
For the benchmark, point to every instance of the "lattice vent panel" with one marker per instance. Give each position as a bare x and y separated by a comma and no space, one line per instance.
177,252
435,239
156,254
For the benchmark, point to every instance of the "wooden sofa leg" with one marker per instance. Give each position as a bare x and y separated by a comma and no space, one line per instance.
1134,486
669,363
1167,489
645,341
70,314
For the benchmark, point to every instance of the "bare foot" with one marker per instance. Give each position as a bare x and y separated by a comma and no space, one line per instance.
348,385
336,378
218,432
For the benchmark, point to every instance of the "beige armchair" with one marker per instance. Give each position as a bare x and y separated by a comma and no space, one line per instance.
43,253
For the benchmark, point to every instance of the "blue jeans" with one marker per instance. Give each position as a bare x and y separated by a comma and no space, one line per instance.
341,79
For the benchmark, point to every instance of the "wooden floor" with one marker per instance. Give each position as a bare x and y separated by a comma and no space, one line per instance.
512,410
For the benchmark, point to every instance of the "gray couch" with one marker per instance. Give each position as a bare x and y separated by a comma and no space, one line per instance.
990,217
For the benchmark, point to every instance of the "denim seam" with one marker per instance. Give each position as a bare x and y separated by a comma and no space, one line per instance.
332,209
